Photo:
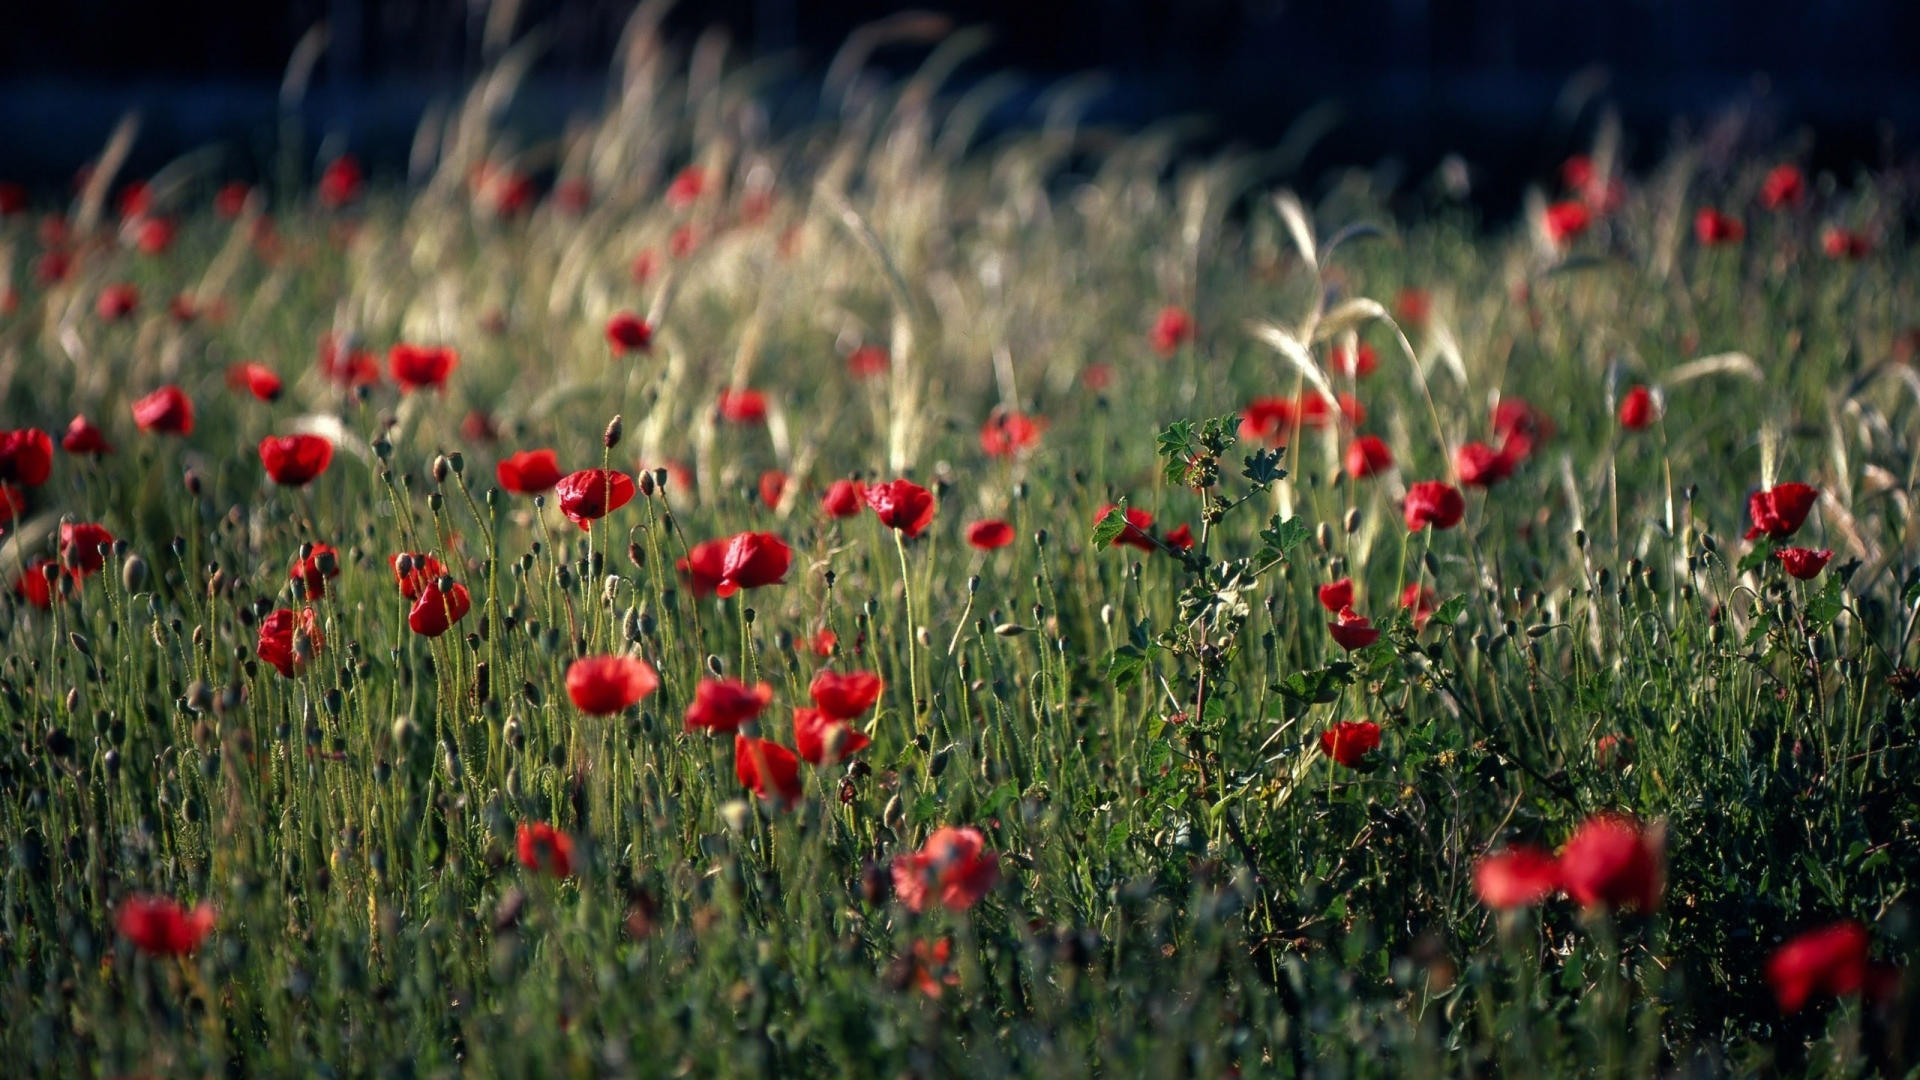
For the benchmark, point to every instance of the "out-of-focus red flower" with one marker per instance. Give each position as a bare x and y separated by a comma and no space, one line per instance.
434,612
1352,630
1420,600
572,196
26,456
822,642
844,697
1268,419
1831,960
1803,563
747,560
294,460
1432,502
1566,221
591,494
1316,410
683,241
1780,510
953,868
158,926
868,362
1784,188
1357,364
1367,456
477,427
54,265
277,646
1613,862
544,849
1135,535
256,379
117,301
1171,328
989,534
773,485
1838,243
902,505
1413,307
1008,433
135,199
421,570
13,503
231,200
32,584
645,265
726,704
528,472
1520,876
628,332
82,437
824,741
341,182
604,685
347,366
685,189
1180,539
768,769
1714,228
416,367
844,498
1097,376
80,547
166,411
742,406
1636,409
1613,751
320,564
1480,465
1336,594
1520,427
1349,742
154,235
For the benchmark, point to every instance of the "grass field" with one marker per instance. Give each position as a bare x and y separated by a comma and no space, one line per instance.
1309,635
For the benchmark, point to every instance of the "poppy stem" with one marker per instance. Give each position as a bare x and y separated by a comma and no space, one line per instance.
906,588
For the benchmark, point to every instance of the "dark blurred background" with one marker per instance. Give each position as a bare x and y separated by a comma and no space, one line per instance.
1411,79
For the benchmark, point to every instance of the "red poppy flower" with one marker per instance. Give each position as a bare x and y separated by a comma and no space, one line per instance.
1830,960
1352,630
725,704
768,769
276,644
1713,228
686,188
1566,221
989,534
32,584
1431,502
868,362
1349,742
1803,563
159,927
423,569
433,613
1268,420
231,199
844,697
1517,877
1008,433
604,685
13,502
82,437
478,427
345,366
1779,511
1838,243
1481,465
26,456
1520,426
645,265
773,484
341,182
528,472
1420,600
294,460
591,494
1612,862
256,379
416,367
321,563
1096,376
154,235
628,332
1413,306
1172,327
1636,409
744,561
166,411
742,406
1785,187
1358,364
844,498
1135,534
573,195
902,505
1577,172
953,868
823,741
1180,539
1316,409
1613,751
116,302
80,544
1367,456
53,267
1337,594
135,199
544,849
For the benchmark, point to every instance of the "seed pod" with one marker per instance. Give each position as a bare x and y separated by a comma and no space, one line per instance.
615,429
133,573
1009,630
440,468
457,463
1352,520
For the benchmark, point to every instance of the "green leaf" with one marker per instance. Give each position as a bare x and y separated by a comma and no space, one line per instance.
1826,605
1126,663
1450,610
1175,446
1263,466
1283,536
1755,559
1110,525
1118,836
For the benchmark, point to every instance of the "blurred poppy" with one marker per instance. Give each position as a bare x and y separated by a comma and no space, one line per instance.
628,332
154,235
1336,594
1419,600
117,301
1134,535
686,187
645,265
1316,409
1831,960
822,740
1565,222
1520,876
868,362
901,505
528,472
1350,742
433,613
822,642
53,267
591,494
726,704
747,560
1268,420
1097,376
277,645
346,366
1008,433
413,571
1367,455
256,379
158,926
166,411
13,198
844,697
1784,188
231,200
1413,307
768,769
572,196
604,685
26,456
320,564
32,584
341,182
1357,364
742,406
294,460
416,367
989,534
1171,329
1613,862
773,485
1636,409
1180,539
844,498
135,199
1803,563
1352,630
1713,228
1520,427
1780,510
544,849
1838,243
478,427
1431,502
953,868
80,547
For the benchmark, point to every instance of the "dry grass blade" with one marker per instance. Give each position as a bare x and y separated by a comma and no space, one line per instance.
1727,363
1289,346
1299,228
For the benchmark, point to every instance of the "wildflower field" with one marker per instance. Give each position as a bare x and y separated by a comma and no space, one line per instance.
716,591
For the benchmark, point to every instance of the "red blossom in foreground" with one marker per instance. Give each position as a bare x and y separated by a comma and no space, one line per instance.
1135,534
80,547
746,560
901,505
1613,862
726,704
1367,456
1336,594
824,741
1007,433
166,411
294,460
768,769
341,182
313,572
544,849
416,367
433,613
868,362
1637,409
1803,563
1419,600
1566,221
1520,876
844,498
1480,465
116,302
1779,511
82,437
1831,960
276,645
742,406
773,486
628,332
1352,630
1714,228
26,456
604,685
528,472
591,494
843,697
953,868
1838,243
158,926
1784,188
989,534
1268,419
1431,502
256,379
1351,742
1172,327
420,570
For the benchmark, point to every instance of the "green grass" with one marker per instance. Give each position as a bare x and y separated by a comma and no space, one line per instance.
1207,897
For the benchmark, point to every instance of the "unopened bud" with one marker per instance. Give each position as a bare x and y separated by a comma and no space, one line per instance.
615,429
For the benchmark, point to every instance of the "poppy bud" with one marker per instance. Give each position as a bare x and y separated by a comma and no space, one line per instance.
133,573
382,449
404,730
615,428
456,462
660,478
646,484
714,664
435,502
193,483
